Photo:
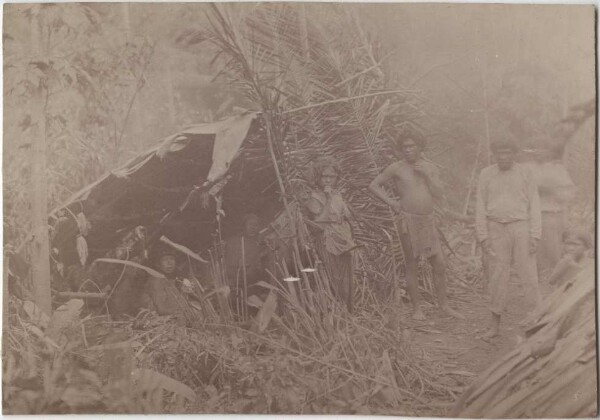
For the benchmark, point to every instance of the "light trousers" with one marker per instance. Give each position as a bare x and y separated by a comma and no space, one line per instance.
509,244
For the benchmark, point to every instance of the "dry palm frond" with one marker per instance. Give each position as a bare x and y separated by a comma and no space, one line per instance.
552,373
315,73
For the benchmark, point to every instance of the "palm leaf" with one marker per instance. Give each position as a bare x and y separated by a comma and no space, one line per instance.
284,61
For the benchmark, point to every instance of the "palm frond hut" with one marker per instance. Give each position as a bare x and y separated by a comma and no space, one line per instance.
316,82
316,78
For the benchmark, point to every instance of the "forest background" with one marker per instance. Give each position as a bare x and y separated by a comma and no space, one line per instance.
102,83
120,82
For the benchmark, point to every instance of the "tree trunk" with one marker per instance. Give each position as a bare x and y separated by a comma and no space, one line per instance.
488,140
4,296
171,91
40,248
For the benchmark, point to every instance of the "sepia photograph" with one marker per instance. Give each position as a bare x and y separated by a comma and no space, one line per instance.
297,208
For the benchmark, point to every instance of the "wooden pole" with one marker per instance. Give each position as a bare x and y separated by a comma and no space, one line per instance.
486,116
40,247
171,90
293,227
4,297
303,25
472,179
245,291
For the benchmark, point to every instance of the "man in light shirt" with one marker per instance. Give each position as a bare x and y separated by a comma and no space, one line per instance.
508,225
556,190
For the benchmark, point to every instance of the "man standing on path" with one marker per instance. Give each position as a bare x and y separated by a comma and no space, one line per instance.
508,225
556,190
417,184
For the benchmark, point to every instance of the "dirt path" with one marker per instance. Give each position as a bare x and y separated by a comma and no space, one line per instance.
453,347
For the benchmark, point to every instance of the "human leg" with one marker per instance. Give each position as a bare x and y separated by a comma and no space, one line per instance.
525,262
438,266
499,260
412,281
344,279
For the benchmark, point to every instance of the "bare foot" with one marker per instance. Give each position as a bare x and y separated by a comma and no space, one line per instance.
449,311
418,315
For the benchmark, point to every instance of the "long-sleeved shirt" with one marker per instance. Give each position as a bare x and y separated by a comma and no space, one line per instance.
507,196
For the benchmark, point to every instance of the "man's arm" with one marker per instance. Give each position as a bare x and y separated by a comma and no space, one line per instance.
565,193
480,213
376,187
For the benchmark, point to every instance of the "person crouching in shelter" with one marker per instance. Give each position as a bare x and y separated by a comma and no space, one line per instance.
417,184
165,295
334,241
575,245
508,226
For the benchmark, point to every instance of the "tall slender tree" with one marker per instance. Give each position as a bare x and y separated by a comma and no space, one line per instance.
40,250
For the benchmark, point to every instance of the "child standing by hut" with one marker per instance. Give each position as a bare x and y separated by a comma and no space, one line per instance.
334,240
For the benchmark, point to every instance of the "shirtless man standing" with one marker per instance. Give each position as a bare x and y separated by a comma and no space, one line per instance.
417,184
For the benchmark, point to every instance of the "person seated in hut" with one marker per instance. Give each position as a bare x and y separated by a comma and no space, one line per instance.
166,295
334,240
576,245
244,262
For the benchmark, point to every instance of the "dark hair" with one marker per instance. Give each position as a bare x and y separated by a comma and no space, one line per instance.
409,132
162,250
504,143
579,234
320,164
250,216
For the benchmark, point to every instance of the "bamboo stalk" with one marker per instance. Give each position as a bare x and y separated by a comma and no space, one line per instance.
238,308
217,277
486,114
269,126
472,178
40,245
245,291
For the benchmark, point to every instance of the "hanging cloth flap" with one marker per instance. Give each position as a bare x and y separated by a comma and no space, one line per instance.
228,140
